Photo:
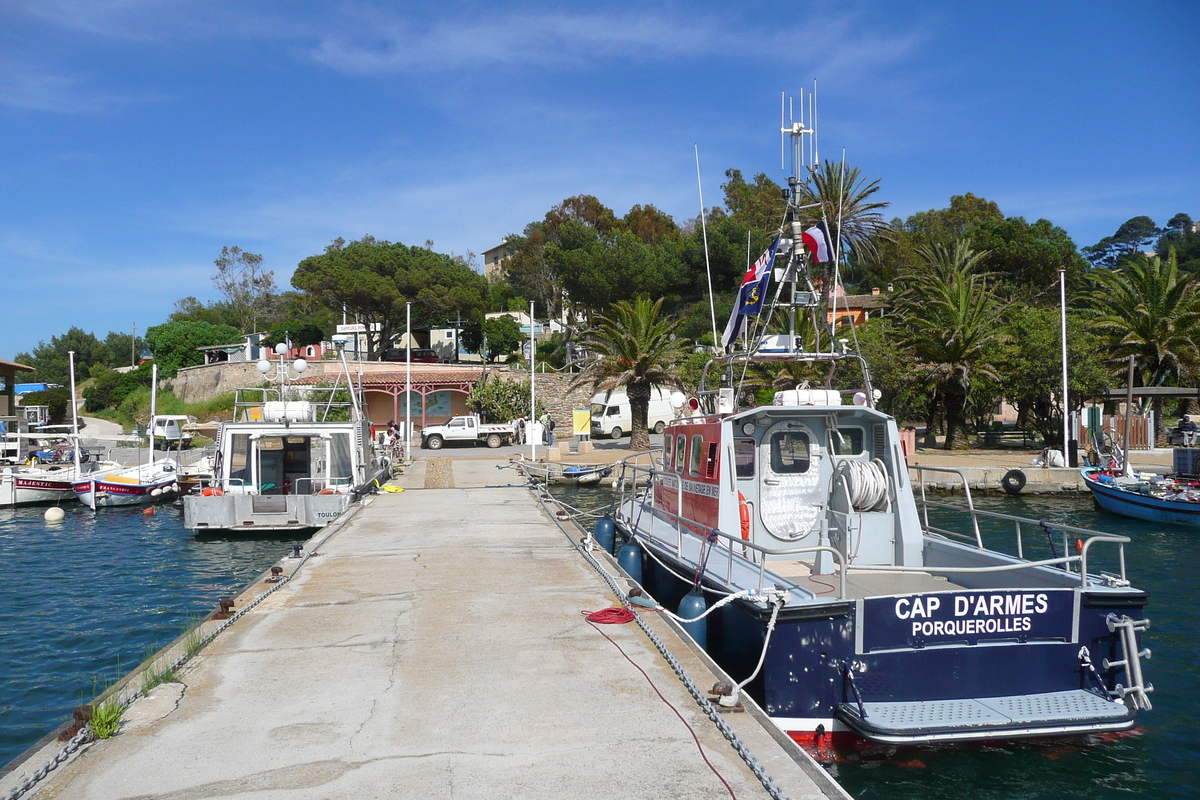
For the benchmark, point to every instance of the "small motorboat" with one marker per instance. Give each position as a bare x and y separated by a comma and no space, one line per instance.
1146,496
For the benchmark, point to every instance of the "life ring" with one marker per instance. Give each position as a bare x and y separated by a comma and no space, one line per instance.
212,491
1013,481
744,511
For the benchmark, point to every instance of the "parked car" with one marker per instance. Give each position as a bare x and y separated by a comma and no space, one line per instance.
420,355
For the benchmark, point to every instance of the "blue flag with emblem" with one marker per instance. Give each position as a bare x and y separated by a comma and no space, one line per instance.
751,295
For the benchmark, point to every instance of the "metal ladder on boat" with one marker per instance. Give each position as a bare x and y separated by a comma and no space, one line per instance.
1137,690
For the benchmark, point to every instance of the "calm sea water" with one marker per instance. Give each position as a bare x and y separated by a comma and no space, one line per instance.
1160,760
85,600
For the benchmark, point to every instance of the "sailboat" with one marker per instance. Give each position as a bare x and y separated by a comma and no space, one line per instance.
139,485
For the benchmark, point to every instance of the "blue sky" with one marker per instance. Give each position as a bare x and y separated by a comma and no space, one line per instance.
137,137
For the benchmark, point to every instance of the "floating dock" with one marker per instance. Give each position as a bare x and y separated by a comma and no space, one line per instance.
434,646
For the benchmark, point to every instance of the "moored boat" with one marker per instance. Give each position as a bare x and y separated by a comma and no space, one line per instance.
292,458
1155,498
788,539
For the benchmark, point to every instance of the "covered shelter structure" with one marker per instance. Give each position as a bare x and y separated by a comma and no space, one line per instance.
437,393
8,384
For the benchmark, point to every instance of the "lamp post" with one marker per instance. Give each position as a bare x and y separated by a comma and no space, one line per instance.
1066,409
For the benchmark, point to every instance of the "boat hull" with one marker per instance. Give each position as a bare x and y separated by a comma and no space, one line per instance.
262,513
108,494
18,490
1135,505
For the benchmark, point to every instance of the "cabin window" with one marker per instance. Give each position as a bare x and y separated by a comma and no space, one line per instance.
743,457
789,452
710,461
680,452
848,441
340,464
239,458
694,462
668,441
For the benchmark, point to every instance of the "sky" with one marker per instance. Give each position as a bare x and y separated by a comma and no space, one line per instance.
138,137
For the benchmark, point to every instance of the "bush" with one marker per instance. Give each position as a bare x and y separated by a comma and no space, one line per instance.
110,388
500,400
59,401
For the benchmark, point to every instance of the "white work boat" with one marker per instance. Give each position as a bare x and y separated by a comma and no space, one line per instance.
293,458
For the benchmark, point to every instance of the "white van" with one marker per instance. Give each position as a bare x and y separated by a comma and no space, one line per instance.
611,415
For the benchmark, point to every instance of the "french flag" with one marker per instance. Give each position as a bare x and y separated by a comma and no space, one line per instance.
752,293
816,239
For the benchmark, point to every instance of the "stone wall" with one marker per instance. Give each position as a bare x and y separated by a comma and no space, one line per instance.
553,393
197,384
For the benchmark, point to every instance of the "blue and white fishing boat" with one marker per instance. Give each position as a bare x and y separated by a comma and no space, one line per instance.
788,539
1174,500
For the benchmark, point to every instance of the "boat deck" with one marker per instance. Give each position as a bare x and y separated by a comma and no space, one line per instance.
862,583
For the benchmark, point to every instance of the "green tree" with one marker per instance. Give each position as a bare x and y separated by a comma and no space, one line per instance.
949,319
189,309
503,336
372,281
247,287
51,362
844,199
110,388
759,205
1031,368
1132,236
121,349
1182,237
299,333
1028,257
58,400
500,400
175,344
1147,309
634,349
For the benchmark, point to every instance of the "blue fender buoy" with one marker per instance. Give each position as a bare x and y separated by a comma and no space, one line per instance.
630,560
691,606
606,534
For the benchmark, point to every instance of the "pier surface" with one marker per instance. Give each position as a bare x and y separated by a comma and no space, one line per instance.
434,647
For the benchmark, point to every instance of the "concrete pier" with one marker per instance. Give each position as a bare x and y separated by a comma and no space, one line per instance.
433,647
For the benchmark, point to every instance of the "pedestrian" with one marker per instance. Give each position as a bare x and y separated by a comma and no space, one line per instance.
1188,430
548,424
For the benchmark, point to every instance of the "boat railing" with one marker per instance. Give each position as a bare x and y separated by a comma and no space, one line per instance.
631,473
319,485
249,401
921,470
1085,537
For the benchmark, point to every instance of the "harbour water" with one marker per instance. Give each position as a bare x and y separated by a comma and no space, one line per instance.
84,601
1158,760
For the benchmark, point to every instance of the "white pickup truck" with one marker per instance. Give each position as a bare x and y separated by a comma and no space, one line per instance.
466,429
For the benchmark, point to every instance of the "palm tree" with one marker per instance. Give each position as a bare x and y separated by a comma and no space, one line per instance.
635,348
1147,309
948,318
843,194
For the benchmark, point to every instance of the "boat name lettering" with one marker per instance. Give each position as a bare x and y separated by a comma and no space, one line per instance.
983,605
944,618
696,487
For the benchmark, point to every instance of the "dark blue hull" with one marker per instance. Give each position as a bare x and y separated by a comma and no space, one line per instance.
1139,506
820,669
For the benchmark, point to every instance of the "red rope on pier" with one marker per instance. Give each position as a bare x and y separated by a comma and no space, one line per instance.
617,615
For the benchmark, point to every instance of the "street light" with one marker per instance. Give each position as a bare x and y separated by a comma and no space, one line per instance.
282,372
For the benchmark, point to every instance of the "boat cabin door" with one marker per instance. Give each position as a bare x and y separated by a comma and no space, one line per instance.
791,499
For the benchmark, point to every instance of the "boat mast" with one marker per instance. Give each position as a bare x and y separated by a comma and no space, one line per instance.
153,401
74,413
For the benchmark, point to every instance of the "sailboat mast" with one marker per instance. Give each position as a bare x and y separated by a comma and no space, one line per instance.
74,413
153,406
